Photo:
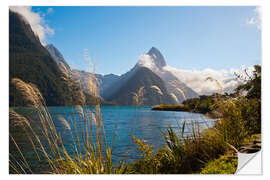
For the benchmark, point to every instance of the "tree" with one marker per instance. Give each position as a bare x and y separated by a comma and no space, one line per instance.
252,84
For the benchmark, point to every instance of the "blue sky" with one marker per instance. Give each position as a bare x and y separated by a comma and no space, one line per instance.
188,37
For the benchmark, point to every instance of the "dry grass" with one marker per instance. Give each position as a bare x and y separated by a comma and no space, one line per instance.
157,89
93,155
138,97
28,93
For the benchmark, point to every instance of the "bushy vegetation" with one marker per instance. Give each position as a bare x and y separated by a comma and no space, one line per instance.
241,117
181,155
200,152
222,165
203,104
203,152
167,107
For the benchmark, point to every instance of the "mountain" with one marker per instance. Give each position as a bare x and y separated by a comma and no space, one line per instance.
105,81
31,63
87,79
156,74
84,79
154,90
156,63
59,59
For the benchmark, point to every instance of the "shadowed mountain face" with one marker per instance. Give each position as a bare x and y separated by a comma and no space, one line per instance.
59,59
83,79
172,88
59,85
176,88
30,62
154,90
157,57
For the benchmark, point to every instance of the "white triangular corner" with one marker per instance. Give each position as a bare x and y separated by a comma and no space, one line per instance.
249,163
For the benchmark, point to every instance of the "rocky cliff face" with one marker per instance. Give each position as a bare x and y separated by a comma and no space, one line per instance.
59,59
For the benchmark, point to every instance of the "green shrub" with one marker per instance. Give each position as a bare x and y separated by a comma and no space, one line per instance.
181,155
222,165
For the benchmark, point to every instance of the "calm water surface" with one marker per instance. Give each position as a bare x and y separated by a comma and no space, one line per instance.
141,122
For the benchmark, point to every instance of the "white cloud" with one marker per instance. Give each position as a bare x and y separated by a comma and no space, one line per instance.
36,21
146,60
196,79
206,81
256,19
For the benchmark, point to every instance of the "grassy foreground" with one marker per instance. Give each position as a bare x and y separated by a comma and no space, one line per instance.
207,152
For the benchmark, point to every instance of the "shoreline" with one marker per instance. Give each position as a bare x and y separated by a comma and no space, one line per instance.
182,108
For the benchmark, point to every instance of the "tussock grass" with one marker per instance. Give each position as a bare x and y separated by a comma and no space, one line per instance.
27,93
200,152
93,155
181,154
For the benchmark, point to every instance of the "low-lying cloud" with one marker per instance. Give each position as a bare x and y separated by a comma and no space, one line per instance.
197,79
204,82
36,21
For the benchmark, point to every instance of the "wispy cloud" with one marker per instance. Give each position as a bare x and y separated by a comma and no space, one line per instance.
36,21
89,64
256,19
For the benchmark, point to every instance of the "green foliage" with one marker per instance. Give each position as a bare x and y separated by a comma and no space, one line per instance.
241,118
31,62
149,162
181,155
232,125
222,165
203,104
252,84
167,107
242,115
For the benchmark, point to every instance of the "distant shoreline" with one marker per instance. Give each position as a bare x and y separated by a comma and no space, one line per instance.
183,108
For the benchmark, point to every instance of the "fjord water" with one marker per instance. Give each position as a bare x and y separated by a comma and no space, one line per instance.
124,121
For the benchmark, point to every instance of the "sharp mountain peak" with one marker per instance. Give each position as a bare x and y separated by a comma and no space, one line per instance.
157,57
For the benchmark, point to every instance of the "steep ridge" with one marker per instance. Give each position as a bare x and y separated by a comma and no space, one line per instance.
154,90
59,59
156,62
83,79
30,62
